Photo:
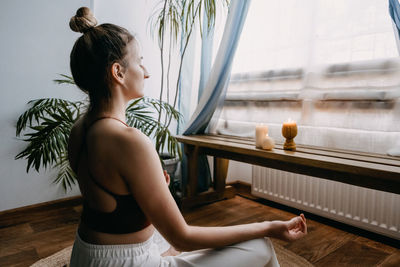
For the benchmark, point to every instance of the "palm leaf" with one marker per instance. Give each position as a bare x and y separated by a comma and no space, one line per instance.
67,80
47,141
139,116
65,176
42,108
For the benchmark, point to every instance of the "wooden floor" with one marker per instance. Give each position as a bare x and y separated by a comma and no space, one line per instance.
27,236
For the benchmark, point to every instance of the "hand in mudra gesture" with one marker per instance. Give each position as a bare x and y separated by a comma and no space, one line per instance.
290,230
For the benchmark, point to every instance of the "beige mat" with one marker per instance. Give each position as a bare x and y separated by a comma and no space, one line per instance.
58,259
286,258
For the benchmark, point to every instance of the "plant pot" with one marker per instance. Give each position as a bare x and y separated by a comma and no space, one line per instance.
172,166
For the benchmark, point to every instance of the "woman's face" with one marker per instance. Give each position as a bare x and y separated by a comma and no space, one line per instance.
135,73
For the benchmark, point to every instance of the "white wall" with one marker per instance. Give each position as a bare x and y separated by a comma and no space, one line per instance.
35,46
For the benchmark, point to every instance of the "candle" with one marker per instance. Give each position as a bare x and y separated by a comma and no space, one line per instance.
261,131
267,143
289,131
289,128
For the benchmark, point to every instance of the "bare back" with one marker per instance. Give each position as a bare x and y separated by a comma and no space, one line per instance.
93,154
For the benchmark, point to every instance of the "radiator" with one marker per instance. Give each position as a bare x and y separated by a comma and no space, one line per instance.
365,208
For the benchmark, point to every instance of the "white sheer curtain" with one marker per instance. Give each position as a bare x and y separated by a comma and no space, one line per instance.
292,33
326,64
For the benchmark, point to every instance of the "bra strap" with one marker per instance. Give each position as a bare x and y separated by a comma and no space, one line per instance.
105,117
102,187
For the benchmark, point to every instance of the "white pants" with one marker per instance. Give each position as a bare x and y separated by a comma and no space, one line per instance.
257,252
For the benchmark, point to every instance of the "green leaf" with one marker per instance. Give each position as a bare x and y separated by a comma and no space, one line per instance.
65,176
67,80
49,122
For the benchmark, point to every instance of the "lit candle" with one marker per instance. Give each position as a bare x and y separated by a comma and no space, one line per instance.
267,143
289,131
261,132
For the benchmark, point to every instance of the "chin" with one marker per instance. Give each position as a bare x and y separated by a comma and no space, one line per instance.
137,96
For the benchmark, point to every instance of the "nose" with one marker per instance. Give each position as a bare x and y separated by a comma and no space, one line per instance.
146,73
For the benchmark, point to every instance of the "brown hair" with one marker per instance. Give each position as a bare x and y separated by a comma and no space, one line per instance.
94,53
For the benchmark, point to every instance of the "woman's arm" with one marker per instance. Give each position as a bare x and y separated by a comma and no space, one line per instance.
140,166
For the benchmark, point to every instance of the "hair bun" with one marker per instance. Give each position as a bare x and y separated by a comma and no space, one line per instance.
83,20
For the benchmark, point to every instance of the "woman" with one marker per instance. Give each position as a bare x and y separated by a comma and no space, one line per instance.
124,188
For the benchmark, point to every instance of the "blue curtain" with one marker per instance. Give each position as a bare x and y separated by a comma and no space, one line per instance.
394,11
220,72
184,102
213,83
185,85
206,54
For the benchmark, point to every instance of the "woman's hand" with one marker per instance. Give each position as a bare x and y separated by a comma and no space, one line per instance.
167,178
290,230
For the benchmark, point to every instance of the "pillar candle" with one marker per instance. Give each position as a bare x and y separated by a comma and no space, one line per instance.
289,129
261,132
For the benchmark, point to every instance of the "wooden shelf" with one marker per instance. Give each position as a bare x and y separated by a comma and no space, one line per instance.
368,170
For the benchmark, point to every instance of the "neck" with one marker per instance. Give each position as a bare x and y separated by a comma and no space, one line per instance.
115,108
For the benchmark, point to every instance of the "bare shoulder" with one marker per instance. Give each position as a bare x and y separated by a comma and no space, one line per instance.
138,156
133,141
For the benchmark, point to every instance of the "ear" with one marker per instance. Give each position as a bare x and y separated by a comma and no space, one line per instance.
117,72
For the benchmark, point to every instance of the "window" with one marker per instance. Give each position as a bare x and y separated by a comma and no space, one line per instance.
291,34
333,66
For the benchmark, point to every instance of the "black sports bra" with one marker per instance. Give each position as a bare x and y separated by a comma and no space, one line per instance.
127,217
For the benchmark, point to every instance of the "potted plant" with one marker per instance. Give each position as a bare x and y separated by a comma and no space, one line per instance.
47,123
178,18
173,24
